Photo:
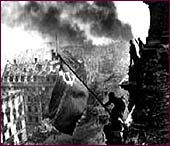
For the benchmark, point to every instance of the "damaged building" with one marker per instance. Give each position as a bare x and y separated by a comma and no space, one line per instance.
31,85
13,118
148,82
32,92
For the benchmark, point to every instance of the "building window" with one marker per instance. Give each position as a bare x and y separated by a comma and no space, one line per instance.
29,99
11,78
35,98
20,109
7,99
36,119
29,109
8,117
14,113
10,133
13,97
16,79
29,119
4,129
25,70
19,125
5,78
28,78
22,78
20,137
35,78
46,89
54,78
15,88
35,109
7,112
48,79
13,102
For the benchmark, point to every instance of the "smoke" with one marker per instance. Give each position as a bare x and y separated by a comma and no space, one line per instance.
104,22
73,22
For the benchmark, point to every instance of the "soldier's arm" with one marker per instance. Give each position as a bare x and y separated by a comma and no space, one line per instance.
137,42
107,103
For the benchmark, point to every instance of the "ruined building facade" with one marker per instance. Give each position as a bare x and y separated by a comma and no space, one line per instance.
148,83
26,92
13,120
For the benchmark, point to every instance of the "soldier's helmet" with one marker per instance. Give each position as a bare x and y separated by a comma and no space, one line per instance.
131,42
112,96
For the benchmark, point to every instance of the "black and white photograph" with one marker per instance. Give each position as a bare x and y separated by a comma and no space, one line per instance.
84,72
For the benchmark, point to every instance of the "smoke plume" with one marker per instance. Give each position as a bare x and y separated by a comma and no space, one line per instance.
73,22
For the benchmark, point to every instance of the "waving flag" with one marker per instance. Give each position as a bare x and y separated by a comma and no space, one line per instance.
68,101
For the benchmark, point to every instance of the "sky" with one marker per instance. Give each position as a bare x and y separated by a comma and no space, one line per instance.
135,13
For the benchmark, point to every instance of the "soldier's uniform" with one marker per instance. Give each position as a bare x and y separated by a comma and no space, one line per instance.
114,129
133,54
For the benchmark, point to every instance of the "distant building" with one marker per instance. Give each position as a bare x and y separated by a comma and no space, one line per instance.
105,65
13,118
26,92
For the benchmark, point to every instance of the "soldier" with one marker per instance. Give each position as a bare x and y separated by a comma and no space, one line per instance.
141,45
119,105
114,129
133,54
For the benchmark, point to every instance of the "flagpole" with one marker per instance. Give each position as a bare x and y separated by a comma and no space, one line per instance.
57,43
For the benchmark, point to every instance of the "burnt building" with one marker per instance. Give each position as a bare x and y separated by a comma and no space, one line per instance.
148,83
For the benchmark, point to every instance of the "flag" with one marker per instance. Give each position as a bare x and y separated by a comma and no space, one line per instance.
68,101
